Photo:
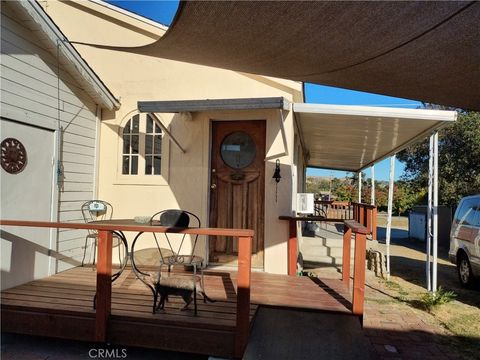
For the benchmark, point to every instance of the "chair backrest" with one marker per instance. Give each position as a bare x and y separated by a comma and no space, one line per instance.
176,218
95,210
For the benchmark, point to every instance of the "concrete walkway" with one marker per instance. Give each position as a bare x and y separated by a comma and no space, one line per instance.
293,334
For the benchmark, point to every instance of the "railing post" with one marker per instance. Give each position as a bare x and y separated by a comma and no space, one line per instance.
368,223
292,247
243,294
347,240
359,275
374,223
361,217
104,285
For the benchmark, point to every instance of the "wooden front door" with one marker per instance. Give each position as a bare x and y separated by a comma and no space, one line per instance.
237,189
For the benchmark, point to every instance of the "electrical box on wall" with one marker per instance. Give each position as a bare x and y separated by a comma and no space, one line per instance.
305,203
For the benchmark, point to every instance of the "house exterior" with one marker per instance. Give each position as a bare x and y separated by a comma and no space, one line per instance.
174,164
51,104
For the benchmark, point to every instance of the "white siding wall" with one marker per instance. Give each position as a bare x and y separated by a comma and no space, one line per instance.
30,91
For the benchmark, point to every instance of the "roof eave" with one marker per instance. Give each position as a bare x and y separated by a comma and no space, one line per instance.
72,60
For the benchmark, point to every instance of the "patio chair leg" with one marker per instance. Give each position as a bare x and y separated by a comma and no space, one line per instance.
84,251
195,300
94,251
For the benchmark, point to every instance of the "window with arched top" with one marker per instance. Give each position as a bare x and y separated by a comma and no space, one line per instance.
142,146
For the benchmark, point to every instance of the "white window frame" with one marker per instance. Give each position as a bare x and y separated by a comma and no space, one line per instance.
141,178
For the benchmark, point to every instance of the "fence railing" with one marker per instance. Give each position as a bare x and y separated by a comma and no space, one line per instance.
351,227
104,269
360,232
331,209
366,215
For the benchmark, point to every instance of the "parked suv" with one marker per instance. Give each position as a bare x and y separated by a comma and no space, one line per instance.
465,240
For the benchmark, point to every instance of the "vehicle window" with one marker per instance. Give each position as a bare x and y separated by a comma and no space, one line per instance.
466,214
477,217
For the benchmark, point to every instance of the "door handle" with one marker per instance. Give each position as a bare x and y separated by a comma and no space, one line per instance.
213,186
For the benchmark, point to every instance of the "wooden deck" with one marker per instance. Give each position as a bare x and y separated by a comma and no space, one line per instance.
61,306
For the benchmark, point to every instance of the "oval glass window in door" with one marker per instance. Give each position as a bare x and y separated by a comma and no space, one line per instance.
238,150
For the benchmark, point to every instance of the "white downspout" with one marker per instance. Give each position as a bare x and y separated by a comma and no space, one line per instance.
96,162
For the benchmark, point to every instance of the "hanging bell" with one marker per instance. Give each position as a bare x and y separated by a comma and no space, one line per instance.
276,174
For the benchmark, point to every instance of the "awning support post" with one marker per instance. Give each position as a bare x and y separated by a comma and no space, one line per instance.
389,215
435,211
372,196
429,216
359,187
167,132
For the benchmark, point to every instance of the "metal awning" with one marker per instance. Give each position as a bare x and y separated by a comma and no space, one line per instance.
352,138
177,106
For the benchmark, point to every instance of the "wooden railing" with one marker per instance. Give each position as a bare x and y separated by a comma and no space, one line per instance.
350,227
366,215
293,239
333,209
104,269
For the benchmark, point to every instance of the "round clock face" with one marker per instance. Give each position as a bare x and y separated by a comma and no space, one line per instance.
14,156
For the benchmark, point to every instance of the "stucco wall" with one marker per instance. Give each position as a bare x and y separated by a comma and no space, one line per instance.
185,177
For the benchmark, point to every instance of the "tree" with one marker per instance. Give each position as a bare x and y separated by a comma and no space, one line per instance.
459,161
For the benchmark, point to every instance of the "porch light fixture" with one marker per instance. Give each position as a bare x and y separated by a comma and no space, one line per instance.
277,177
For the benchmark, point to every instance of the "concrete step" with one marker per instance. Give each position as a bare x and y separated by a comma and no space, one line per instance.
324,250
315,241
327,260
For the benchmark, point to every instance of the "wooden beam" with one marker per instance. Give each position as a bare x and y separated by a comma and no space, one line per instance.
243,294
347,245
359,275
292,247
117,225
356,227
374,224
104,285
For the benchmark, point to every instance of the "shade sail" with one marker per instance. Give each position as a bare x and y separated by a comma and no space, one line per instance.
428,51
352,138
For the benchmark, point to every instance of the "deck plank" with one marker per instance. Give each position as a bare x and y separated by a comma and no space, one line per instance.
49,306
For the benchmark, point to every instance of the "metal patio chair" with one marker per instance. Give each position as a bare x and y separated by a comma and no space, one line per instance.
170,250
98,210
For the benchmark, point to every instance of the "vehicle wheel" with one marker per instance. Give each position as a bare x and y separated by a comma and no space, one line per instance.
464,271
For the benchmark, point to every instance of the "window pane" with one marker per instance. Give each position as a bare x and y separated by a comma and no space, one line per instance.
126,129
157,129
157,165
134,144
148,165
158,144
134,170
125,165
126,144
135,127
148,144
149,125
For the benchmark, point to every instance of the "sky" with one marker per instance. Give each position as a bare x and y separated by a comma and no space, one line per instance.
164,12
